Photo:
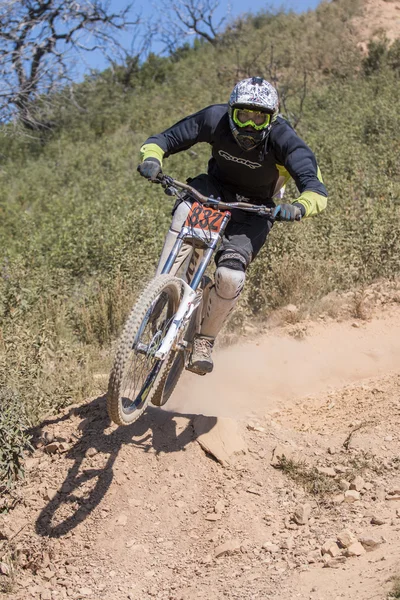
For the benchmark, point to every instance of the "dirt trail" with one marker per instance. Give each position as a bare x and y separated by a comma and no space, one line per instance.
143,512
263,375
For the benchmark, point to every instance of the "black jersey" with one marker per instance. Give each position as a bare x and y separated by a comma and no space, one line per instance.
252,173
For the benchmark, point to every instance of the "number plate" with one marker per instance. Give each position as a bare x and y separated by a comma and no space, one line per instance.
205,219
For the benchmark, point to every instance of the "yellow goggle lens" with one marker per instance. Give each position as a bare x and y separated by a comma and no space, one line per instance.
257,119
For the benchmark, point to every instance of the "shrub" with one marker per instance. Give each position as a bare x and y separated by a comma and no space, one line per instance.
14,439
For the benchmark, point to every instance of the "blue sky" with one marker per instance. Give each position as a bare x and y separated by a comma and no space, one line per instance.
147,10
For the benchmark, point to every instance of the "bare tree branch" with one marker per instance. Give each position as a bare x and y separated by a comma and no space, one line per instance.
38,40
287,74
183,19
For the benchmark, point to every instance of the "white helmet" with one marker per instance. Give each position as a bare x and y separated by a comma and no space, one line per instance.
254,94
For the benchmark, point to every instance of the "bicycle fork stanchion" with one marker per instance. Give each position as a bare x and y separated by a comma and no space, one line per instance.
189,302
191,298
173,254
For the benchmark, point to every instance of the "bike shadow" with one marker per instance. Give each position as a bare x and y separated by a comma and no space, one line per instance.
156,431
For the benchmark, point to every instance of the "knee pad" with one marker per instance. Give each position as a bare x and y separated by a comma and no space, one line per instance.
229,282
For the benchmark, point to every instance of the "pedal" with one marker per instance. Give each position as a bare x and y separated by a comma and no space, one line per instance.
193,370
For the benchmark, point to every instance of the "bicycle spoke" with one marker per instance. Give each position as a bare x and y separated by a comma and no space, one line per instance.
142,362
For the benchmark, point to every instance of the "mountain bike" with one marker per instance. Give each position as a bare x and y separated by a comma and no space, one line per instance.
156,342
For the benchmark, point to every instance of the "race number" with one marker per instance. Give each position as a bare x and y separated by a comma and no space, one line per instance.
204,218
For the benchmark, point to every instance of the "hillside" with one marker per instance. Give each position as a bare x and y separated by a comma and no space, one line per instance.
379,16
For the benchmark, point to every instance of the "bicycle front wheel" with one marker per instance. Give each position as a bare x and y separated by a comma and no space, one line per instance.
136,368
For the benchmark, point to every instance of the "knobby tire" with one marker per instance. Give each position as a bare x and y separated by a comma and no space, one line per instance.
124,410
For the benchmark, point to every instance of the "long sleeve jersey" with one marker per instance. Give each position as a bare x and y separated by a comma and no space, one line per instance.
258,173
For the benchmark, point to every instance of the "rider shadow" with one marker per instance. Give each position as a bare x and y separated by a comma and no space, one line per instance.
155,431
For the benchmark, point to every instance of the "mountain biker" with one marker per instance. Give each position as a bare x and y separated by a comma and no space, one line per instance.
254,153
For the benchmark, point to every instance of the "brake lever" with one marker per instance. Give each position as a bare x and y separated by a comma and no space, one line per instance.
170,190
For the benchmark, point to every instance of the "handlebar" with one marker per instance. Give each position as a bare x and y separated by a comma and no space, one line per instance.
171,184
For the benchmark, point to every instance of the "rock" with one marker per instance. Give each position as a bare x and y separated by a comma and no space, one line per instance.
270,547
287,544
253,427
45,595
355,549
91,452
357,484
330,547
219,437
213,517
379,493
48,574
334,563
49,494
370,542
280,453
328,471
291,308
4,568
377,520
341,468
313,556
346,538
219,507
344,485
393,497
302,514
48,437
87,591
52,448
229,547
31,463
351,496
338,498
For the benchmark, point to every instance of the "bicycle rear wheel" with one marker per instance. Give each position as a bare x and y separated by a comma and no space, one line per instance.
136,368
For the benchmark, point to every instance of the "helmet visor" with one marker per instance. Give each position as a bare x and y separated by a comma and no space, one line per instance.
257,119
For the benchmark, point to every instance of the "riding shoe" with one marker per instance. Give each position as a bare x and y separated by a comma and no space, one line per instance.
200,359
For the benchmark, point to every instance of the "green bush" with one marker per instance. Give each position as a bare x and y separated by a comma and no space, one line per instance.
14,439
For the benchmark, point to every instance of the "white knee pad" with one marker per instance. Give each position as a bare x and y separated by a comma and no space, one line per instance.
222,299
229,282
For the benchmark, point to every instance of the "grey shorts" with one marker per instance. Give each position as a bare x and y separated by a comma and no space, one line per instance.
245,233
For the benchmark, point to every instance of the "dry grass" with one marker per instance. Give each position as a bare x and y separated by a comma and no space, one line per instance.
395,591
309,478
360,307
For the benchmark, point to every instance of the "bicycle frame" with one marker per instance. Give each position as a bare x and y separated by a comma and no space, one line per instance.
207,240
191,298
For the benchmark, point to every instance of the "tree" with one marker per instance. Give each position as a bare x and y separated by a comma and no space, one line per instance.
39,39
184,18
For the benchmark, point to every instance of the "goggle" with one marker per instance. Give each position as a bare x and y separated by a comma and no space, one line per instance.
257,119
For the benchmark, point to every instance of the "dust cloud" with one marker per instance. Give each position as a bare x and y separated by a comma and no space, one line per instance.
256,377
